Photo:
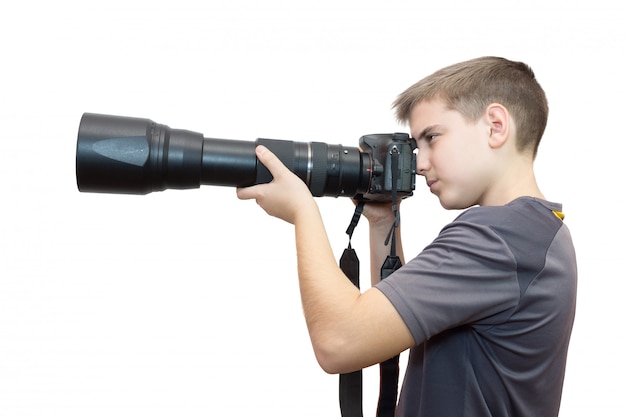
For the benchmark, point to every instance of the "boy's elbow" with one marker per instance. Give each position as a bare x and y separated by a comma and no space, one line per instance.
328,364
333,357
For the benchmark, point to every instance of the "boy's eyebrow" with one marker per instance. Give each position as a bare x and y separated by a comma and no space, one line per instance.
425,132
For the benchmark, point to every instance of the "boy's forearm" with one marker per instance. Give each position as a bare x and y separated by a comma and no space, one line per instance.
349,330
378,250
327,294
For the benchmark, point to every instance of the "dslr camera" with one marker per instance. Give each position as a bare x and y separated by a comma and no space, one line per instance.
125,155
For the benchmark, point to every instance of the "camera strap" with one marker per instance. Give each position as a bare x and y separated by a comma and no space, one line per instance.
351,384
390,369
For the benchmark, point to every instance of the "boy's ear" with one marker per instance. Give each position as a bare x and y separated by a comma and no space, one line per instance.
499,123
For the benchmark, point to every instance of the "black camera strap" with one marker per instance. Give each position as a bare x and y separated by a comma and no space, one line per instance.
351,384
390,369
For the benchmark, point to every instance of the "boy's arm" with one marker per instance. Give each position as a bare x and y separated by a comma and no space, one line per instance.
348,330
381,218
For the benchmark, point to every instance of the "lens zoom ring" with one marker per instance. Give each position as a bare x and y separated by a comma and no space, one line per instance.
319,157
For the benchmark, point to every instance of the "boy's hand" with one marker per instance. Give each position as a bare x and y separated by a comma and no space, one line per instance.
379,212
380,217
285,197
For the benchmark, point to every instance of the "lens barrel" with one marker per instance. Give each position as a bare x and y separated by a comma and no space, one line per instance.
124,155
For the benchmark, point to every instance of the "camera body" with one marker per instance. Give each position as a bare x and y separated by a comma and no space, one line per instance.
382,148
125,155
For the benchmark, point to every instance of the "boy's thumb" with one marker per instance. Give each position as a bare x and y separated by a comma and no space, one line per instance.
267,158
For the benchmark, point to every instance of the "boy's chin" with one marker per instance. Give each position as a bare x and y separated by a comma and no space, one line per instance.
450,204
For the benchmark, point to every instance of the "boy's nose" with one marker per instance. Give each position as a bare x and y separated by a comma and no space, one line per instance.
422,162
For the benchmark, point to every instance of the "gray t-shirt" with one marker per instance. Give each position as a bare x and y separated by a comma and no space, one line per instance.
490,304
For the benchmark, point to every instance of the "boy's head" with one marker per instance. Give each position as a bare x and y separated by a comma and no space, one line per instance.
470,87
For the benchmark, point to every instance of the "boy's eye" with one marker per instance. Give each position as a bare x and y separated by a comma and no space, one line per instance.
426,138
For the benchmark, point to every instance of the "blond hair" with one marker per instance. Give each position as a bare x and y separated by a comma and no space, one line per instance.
469,87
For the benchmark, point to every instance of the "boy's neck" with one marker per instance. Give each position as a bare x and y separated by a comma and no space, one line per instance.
517,181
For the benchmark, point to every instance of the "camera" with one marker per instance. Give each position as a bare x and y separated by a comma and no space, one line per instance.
127,155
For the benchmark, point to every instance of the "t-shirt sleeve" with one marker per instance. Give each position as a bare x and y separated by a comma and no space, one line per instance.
467,275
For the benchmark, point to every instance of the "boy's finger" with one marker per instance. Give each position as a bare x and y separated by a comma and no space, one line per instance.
271,161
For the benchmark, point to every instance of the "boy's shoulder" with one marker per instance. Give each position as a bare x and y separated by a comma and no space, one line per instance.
522,209
527,225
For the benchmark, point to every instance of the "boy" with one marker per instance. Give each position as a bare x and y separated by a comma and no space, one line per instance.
487,309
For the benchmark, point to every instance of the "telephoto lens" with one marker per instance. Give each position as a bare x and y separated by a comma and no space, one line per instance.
126,155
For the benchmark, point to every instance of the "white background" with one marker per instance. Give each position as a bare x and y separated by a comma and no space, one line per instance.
186,302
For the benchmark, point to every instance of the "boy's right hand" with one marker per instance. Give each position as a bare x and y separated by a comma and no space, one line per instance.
286,196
